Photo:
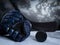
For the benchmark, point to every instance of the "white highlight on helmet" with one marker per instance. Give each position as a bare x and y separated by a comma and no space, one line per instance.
39,12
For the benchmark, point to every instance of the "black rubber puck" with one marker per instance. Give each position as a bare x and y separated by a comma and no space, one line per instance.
41,36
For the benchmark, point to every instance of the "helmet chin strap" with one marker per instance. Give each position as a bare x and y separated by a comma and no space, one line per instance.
40,26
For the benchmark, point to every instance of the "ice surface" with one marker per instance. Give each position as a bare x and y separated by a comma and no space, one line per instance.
31,41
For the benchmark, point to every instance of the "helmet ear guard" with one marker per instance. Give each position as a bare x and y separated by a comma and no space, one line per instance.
16,26
23,29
